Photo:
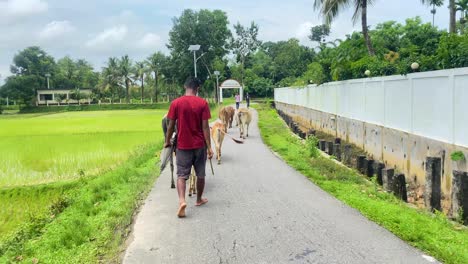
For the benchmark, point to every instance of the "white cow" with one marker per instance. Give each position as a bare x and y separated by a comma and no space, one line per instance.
244,117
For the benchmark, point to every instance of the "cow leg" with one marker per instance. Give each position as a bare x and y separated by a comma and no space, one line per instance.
218,150
192,179
220,147
194,183
190,186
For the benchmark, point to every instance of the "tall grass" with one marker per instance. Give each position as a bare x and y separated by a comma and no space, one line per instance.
86,223
55,150
433,234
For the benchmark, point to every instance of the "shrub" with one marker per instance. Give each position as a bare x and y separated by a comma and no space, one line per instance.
453,51
457,156
311,144
377,67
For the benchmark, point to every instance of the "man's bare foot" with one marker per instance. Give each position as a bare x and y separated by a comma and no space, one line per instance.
201,202
181,212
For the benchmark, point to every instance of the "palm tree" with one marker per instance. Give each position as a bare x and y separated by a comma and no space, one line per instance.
331,8
140,70
155,62
110,75
462,6
125,71
434,4
453,17
453,13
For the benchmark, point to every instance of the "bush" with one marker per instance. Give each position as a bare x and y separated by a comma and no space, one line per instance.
311,144
377,67
453,51
315,73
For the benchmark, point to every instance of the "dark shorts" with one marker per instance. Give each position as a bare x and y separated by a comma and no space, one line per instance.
237,105
187,158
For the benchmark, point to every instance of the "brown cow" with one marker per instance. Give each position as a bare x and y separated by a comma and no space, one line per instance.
244,117
217,134
224,117
232,112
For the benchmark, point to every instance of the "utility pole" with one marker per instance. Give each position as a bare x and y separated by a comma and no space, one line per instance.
217,85
194,48
47,75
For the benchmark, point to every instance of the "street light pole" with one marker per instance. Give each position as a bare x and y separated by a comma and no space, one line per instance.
47,75
217,85
194,48
195,62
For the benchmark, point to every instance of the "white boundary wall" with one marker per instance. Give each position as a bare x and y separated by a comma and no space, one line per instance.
429,104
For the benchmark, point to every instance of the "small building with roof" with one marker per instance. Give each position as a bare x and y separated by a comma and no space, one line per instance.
62,96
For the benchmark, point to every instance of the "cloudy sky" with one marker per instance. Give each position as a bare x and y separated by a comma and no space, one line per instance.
98,29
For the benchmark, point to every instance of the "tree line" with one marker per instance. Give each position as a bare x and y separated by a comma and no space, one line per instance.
389,48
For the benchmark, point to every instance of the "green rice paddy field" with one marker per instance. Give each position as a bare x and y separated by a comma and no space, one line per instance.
43,155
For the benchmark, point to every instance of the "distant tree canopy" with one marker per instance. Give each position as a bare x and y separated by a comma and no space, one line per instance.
242,56
206,28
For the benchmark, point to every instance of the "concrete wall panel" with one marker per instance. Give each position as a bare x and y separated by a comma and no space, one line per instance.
432,108
398,104
460,110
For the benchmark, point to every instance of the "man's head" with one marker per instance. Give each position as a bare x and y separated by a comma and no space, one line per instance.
192,83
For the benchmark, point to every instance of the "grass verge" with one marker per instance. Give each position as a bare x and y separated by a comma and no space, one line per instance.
88,221
434,234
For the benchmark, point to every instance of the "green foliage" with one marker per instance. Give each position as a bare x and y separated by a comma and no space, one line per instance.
87,222
21,87
74,74
245,40
261,87
453,51
290,59
376,66
457,156
319,33
314,73
207,28
433,234
311,144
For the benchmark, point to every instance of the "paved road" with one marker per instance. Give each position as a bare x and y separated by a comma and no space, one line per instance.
259,211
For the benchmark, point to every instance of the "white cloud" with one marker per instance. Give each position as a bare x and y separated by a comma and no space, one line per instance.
303,31
55,29
149,41
111,36
14,9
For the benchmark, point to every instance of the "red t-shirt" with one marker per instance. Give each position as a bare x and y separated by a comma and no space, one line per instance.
189,111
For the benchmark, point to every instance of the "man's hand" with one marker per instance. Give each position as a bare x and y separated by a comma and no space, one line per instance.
167,144
209,152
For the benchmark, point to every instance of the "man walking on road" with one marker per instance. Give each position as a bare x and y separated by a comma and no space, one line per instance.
193,140
237,101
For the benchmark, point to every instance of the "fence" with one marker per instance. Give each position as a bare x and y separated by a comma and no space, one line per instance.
429,104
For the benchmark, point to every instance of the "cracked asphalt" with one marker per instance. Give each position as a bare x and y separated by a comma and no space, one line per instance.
260,210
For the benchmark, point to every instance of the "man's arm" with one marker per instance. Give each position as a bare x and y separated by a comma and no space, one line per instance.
206,134
170,131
